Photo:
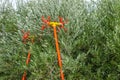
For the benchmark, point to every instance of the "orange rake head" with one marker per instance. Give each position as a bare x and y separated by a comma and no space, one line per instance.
25,36
49,23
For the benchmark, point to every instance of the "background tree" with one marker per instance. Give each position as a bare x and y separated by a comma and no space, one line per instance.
89,48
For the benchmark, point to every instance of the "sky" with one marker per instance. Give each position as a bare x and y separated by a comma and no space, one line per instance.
14,2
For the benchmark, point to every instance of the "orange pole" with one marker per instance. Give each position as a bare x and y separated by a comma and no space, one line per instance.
24,76
58,53
28,58
27,61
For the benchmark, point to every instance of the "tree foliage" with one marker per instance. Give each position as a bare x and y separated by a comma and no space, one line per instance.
89,48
